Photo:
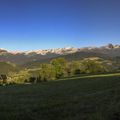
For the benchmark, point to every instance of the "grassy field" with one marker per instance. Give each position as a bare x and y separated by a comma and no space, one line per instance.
91,97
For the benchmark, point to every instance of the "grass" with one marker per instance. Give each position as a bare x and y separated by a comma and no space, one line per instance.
92,97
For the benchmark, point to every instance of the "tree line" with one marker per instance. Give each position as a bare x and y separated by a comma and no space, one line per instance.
57,68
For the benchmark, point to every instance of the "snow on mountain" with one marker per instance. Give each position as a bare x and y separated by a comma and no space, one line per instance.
66,50
18,57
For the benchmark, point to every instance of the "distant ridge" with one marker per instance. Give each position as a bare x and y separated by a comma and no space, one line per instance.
17,57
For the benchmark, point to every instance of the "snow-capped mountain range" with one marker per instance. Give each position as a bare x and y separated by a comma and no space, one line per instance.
62,51
43,52
36,55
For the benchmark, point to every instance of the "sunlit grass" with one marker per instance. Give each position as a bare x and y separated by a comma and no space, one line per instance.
92,76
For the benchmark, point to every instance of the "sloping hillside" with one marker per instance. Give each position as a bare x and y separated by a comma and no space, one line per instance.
69,57
70,53
94,97
6,67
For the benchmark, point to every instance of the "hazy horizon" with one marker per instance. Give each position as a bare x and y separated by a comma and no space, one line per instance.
44,24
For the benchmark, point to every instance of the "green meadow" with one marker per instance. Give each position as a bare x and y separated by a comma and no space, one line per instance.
90,97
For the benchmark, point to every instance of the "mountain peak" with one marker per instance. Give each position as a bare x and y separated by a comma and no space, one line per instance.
37,55
2,50
110,45
60,51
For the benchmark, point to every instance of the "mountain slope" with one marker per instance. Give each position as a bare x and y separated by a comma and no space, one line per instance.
69,57
94,97
70,53
7,67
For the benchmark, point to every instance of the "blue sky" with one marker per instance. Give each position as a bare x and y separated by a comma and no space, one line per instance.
43,24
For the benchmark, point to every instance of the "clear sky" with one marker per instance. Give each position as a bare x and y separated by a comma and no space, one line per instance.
43,24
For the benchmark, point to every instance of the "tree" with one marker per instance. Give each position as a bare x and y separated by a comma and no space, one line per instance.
19,77
92,66
4,78
47,72
33,80
60,65
75,65
77,71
